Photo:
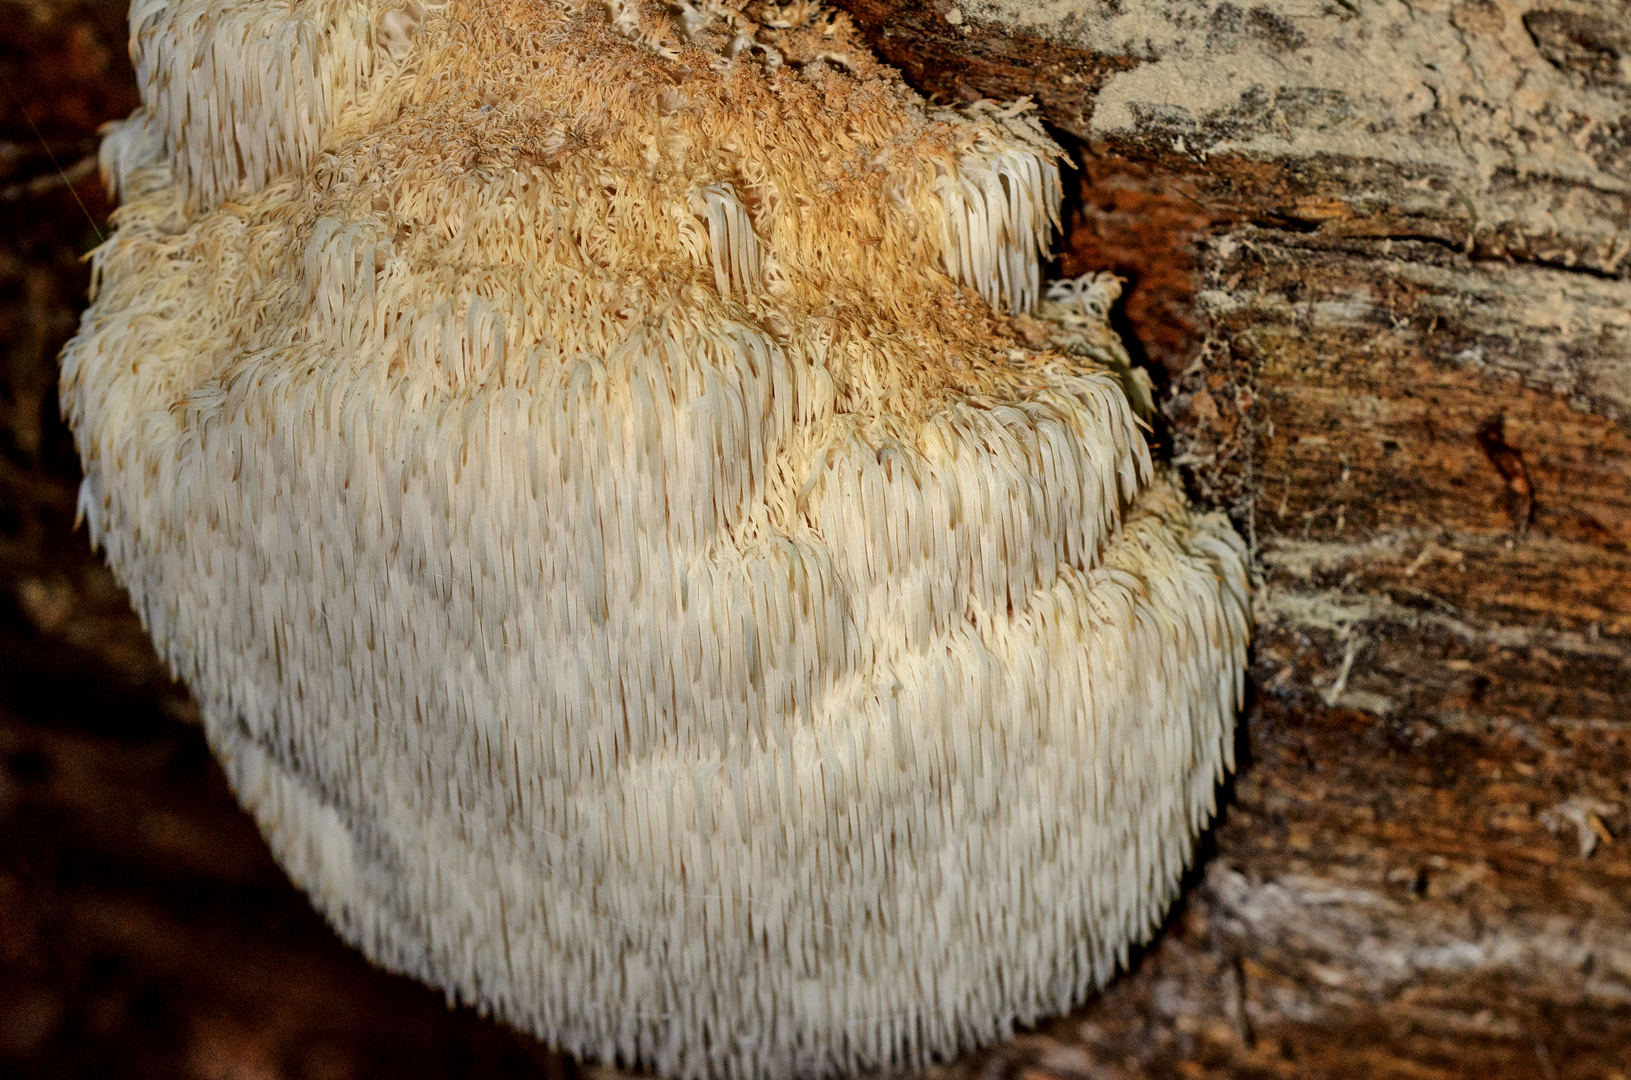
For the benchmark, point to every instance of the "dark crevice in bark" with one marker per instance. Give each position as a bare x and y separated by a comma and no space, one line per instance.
1474,255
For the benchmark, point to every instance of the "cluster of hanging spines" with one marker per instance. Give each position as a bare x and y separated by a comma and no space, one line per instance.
733,245
447,337
680,803
1001,205
129,148
1087,492
130,372
835,770
569,650
660,818
472,567
977,505
242,93
467,535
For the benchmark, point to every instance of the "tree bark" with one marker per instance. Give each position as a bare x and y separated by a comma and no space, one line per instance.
1379,262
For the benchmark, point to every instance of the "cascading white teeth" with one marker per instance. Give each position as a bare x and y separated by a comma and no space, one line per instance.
1001,206
733,247
703,637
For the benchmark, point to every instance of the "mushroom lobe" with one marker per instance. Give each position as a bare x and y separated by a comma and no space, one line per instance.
582,461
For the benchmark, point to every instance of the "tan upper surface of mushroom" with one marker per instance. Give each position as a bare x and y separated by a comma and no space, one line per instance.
627,563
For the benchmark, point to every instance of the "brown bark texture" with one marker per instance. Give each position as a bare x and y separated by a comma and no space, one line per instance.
1379,262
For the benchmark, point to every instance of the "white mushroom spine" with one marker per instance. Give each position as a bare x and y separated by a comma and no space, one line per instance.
630,582
1002,204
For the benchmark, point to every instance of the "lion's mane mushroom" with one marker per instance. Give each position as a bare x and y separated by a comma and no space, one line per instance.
629,568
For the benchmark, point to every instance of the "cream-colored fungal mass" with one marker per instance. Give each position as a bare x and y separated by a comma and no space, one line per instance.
585,462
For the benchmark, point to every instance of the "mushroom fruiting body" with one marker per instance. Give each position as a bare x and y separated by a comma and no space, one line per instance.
628,568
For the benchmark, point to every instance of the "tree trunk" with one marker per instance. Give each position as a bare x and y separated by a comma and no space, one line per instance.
1379,262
